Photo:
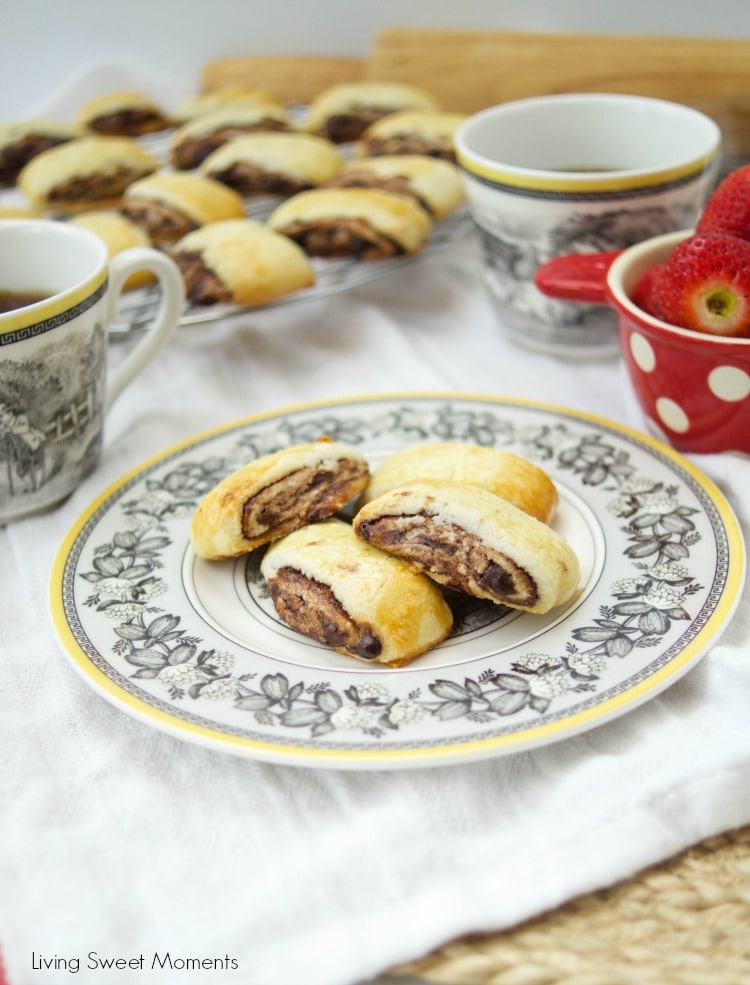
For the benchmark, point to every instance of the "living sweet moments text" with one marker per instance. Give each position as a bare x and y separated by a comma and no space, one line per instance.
157,961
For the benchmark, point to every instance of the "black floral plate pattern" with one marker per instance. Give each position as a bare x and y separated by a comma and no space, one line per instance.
196,649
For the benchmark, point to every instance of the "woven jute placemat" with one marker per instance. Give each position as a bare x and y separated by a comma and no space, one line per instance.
685,921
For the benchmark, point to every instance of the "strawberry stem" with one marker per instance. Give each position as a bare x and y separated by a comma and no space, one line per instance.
720,303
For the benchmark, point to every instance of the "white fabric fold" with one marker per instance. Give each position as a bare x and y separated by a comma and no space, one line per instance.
119,841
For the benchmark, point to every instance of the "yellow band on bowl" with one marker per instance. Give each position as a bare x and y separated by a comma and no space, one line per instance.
582,183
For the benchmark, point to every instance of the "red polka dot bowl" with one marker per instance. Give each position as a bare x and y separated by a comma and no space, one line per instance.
693,389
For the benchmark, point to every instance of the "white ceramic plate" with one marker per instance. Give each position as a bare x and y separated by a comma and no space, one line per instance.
196,649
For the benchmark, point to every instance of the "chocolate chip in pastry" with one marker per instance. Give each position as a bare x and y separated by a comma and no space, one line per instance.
118,234
413,132
170,204
344,111
363,223
92,172
21,142
240,261
329,585
433,184
501,472
122,114
207,102
275,494
280,164
472,541
191,144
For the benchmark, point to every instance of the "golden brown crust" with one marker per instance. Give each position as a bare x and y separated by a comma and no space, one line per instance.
206,102
273,163
342,112
169,204
353,597
250,263
118,234
363,222
473,541
521,482
426,132
91,172
21,142
191,143
434,184
126,113
275,494
19,212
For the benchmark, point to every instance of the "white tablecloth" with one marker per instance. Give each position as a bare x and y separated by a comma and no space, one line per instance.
124,842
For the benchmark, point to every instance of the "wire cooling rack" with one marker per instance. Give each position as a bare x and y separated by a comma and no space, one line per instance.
137,308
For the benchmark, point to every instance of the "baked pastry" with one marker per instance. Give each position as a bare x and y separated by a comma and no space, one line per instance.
344,111
195,140
92,172
365,223
273,163
21,142
413,132
331,586
170,204
118,234
240,261
501,472
206,102
19,212
473,541
433,184
122,114
275,494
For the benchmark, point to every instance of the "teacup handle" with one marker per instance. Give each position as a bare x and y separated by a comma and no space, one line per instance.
171,303
577,276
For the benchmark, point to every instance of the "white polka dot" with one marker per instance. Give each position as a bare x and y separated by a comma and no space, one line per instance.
672,414
642,352
729,383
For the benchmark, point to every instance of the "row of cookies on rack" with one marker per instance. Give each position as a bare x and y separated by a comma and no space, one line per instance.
429,519
342,114
333,206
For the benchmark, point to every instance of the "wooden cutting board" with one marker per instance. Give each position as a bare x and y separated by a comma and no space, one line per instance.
468,70
296,78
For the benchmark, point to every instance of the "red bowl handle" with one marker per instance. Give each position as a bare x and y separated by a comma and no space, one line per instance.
576,276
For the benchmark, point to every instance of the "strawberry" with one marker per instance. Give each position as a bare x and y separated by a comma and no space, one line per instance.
643,295
704,285
728,208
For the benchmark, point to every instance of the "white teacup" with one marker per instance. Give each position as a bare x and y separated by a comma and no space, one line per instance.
61,290
577,173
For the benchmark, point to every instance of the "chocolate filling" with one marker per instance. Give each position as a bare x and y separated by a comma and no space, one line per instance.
249,179
311,608
440,147
202,286
14,157
163,223
344,237
342,128
99,186
129,122
397,184
312,493
452,556
192,151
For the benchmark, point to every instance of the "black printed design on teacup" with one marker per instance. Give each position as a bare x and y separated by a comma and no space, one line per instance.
512,255
51,409
48,324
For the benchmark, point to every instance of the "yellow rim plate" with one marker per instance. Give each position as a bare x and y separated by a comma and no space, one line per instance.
196,650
